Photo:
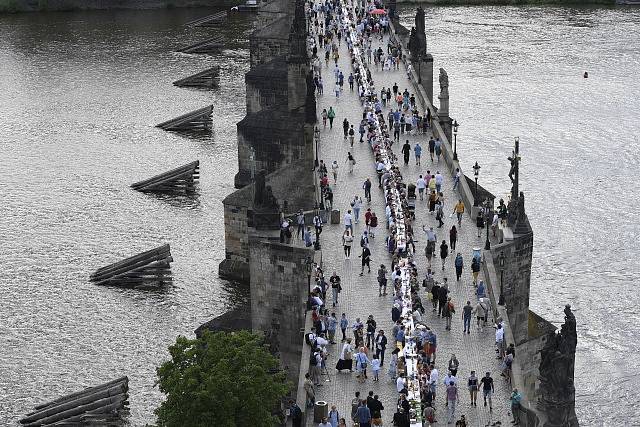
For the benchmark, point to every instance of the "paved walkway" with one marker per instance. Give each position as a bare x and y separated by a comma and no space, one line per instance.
359,297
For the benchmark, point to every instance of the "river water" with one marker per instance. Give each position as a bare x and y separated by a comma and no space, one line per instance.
80,93
519,72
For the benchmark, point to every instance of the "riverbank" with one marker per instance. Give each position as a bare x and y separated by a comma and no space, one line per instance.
16,6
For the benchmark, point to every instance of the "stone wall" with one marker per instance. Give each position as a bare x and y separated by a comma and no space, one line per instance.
279,291
236,233
516,280
60,5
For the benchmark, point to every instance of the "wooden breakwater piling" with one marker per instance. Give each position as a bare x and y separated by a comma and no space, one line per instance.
211,45
198,120
147,269
181,179
208,78
209,20
100,405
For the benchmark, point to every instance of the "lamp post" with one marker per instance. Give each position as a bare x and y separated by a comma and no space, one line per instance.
501,259
455,140
476,172
420,68
487,212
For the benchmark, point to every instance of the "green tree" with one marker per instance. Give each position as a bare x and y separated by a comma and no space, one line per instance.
222,379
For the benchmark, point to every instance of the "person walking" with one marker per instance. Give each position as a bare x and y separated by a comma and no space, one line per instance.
376,408
347,241
439,213
459,264
421,184
459,211
362,362
348,221
371,331
475,269
472,384
444,252
375,367
447,313
373,223
432,148
332,324
515,398
331,114
335,287
345,128
352,136
344,324
466,318
487,389
417,151
406,151
366,259
442,297
356,204
363,414
351,161
452,399
367,189
453,237
481,310
382,280
334,171
381,346
438,148
324,115
334,416
479,222
300,222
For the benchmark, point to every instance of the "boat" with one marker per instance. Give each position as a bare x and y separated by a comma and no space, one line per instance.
248,6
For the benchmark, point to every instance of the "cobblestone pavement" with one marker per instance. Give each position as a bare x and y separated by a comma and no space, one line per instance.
359,297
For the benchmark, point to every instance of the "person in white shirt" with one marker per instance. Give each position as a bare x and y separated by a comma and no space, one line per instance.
421,184
401,383
500,340
334,169
348,221
439,181
433,380
449,378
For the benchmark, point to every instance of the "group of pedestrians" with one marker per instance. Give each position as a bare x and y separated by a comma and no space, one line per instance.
363,345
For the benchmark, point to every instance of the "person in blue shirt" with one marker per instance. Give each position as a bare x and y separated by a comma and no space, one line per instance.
417,150
344,323
363,415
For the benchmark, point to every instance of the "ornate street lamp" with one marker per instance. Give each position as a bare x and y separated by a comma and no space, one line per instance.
501,262
487,212
476,172
455,139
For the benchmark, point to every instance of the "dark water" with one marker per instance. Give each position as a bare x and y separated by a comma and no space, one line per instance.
80,94
518,72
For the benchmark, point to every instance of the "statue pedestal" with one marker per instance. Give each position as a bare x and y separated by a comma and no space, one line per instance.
443,112
424,68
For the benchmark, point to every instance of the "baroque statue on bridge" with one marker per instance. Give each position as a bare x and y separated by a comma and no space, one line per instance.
557,390
444,80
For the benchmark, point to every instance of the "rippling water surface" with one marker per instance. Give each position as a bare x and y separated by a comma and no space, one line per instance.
80,94
518,71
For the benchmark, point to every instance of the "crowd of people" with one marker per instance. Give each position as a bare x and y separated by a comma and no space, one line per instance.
363,345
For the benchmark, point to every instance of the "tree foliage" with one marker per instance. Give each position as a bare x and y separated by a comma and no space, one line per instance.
222,379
